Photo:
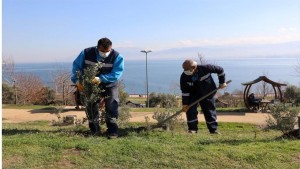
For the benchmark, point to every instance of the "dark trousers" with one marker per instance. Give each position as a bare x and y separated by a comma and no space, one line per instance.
209,111
111,111
93,117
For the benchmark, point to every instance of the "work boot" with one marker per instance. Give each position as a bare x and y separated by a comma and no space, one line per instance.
192,131
112,136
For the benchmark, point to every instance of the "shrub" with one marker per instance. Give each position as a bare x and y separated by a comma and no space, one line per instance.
44,96
8,96
292,94
232,100
283,117
161,115
124,116
162,100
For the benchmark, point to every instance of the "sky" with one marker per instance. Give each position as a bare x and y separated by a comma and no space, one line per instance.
58,30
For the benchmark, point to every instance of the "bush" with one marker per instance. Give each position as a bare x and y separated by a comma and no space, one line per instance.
161,115
283,118
124,116
45,96
292,94
7,94
162,100
231,100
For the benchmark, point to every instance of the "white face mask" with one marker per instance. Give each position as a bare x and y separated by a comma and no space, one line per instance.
104,55
187,72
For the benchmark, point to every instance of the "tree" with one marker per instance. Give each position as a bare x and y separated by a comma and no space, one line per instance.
28,85
123,96
263,89
62,84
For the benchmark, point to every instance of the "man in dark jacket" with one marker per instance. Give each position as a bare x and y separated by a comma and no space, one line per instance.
108,79
195,82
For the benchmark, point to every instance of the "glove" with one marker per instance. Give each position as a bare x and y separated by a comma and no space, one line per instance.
79,86
96,80
185,108
223,85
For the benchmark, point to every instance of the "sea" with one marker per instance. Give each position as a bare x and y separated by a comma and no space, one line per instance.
164,75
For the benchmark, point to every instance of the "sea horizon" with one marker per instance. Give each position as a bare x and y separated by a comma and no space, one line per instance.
163,75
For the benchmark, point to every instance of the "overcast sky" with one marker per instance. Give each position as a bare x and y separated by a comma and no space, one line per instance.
57,30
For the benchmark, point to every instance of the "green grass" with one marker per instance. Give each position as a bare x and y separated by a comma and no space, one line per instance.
40,145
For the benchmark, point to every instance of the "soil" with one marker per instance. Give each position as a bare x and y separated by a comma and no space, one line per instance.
25,115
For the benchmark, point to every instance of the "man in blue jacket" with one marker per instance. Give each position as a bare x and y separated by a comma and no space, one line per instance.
196,81
108,79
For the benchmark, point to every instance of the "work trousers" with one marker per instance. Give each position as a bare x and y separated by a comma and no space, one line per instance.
209,110
111,111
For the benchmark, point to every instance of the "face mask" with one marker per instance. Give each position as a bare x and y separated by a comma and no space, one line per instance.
187,72
104,55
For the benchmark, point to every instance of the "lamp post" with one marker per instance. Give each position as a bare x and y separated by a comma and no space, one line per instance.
15,89
147,51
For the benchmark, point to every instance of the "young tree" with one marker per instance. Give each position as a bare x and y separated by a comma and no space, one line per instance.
263,89
123,96
62,84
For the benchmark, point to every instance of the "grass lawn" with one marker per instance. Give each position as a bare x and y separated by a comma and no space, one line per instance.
41,145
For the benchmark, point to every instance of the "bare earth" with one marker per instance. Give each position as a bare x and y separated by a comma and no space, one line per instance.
25,115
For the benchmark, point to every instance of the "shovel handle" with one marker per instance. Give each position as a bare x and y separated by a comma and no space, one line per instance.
192,104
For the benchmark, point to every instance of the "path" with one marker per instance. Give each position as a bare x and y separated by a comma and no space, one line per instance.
25,115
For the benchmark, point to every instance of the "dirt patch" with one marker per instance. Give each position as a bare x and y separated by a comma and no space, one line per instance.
66,162
297,158
12,161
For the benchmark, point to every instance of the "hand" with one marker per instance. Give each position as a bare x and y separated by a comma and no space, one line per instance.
79,86
185,108
223,85
96,80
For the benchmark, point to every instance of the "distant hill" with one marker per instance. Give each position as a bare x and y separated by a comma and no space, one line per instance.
290,49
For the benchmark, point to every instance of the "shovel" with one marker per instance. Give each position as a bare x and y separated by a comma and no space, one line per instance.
160,124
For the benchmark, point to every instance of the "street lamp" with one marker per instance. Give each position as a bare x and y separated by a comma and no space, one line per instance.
147,51
15,89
